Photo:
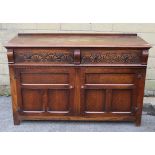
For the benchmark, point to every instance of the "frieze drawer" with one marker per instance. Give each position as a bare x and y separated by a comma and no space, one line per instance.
79,56
43,55
107,56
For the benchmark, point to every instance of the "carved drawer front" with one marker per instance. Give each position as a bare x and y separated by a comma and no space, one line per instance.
103,56
46,90
108,91
46,55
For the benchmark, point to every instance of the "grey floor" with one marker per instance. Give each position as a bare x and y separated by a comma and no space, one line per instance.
6,123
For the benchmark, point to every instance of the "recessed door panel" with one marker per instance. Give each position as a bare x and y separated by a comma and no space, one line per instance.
58,100
31,100
108,78
121,100
45,78
94,100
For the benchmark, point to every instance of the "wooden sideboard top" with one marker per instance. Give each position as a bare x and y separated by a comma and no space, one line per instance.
77,40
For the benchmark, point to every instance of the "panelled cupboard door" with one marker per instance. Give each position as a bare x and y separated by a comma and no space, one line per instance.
108,90
46,90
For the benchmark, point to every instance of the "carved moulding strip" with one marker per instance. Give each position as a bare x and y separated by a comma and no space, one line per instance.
44,56
110,57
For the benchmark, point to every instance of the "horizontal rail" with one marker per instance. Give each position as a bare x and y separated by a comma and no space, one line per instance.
47,86
108,86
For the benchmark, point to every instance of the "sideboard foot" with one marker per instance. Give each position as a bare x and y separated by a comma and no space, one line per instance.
138,122
16,120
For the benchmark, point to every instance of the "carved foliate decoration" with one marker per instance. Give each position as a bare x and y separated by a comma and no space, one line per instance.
110,57
44,56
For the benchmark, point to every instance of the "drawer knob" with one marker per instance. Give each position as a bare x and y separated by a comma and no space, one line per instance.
71,87
82,87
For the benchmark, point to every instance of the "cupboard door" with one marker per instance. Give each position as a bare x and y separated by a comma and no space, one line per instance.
47,90
108,91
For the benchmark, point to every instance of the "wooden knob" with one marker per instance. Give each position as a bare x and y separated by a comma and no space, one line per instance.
82,87
70,87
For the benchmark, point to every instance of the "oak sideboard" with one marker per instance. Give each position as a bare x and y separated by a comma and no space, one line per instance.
77,76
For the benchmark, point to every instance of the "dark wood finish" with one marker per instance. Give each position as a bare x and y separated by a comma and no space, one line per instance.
55,56
88,77
110,56
77,57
